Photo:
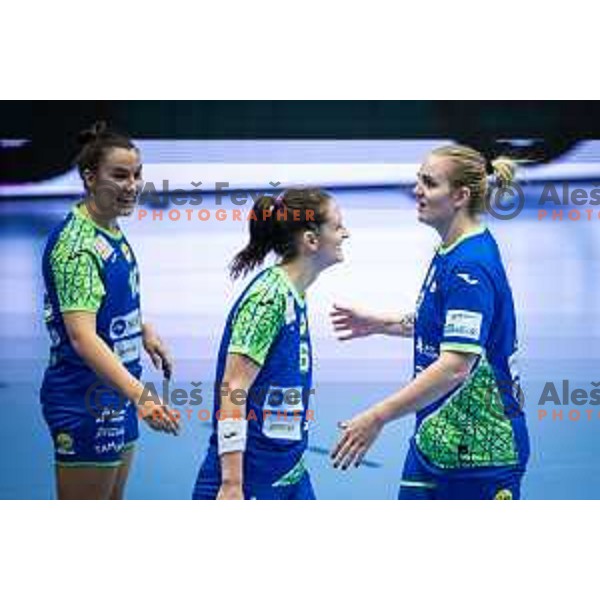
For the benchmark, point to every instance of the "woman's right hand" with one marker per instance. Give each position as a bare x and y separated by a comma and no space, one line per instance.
349,323
230,491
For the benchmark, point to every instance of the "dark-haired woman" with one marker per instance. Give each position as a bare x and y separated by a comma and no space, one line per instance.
264,372
91,392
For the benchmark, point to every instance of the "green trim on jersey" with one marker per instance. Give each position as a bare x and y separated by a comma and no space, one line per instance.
96,465
299,298
466,348
469,429
477,231
293,476
76,262
260,316
427,485
81,211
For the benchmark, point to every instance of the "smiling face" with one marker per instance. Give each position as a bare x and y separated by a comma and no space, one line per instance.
332,236
326,245
116,183
437,200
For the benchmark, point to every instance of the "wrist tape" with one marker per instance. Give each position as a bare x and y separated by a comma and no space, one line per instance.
231,434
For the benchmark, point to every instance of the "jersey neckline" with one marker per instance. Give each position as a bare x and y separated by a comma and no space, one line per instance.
300,298
474,232
80,211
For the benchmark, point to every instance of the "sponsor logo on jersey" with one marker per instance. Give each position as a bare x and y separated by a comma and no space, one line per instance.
126,325
110,415
109,447
64,443
288,398
463,323
426,350
467,278
128,350
104,249
503,495
277,429
282,413
110,432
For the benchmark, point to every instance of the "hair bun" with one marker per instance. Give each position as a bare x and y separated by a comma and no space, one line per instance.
97,130
504,170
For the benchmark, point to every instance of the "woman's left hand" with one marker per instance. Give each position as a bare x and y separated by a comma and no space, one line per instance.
157,351
358,436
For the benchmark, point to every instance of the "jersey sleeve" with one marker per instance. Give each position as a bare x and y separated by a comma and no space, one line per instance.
78,282
468,309
258,322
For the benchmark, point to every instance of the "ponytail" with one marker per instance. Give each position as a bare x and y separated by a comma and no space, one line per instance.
504,170
274,226
261,240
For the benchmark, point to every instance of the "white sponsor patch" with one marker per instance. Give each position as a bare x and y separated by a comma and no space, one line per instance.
463,323
277,428
126,325
282,413
104,249
128,350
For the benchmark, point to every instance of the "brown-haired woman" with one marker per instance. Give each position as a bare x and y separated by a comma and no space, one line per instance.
264,373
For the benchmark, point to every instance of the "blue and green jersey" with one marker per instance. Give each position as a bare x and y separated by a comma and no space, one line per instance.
92,269
466,305
269,325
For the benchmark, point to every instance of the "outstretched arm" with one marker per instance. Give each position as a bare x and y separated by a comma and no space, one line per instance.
349,323
441,377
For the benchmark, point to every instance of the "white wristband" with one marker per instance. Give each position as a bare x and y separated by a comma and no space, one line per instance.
231,434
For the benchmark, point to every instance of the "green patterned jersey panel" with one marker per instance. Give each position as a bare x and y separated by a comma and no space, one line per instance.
260,317
76,264
470,429
293,476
